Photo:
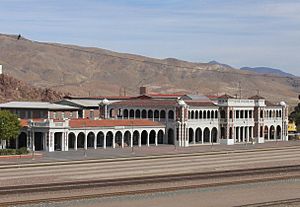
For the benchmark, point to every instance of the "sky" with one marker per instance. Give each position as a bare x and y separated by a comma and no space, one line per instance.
235,32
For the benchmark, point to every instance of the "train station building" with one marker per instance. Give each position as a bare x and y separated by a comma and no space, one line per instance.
182,120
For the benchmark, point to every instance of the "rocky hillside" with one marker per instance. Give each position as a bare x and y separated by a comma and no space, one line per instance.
84,71
12,89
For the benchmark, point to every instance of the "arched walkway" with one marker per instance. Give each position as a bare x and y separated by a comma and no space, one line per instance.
109,139
152,137
144,137
118,139
160,137
214,135
198,137
22,140
100,139
272,132
80,140
171,136
127,139
278,132
191,135
71,141
206,135
136,137
58,141
90,140
266,133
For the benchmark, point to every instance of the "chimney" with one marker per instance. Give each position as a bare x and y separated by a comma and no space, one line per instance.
143,90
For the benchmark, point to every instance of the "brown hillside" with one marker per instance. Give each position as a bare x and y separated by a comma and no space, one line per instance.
96,71
12,89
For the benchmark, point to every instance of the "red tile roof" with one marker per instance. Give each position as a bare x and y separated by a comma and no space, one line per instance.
146,103
24,122
82,123
200,103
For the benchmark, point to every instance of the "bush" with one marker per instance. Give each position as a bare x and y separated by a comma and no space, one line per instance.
14,151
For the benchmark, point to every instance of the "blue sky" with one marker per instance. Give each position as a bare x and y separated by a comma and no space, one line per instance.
235,32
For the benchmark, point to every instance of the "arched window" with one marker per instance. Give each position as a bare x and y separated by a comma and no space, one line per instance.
137,114
162,114
200,115
171,115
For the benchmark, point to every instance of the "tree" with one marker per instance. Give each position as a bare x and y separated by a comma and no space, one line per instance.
9,125
295,115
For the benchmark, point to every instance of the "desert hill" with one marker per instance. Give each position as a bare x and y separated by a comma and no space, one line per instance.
94,71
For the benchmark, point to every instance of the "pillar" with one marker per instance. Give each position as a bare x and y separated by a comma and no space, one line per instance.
95,141
140,139
122,141
131,139
104,141
156,133
85,141
75,144
148,139
114,141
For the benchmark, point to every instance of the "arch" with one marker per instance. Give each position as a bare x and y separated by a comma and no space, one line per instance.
214,135
160,137
212,114
261,131
136,137
280,113
58,136
206,135
204,114
100,139
200,115
223,114
137,114
270,113
191,135
118,139
150,114
127,139
109,139
152,136
216,114
171,115
156,114
192,114
144,137
171,136
90,139
125,113
196,115
131,113
278,132
111,113
162,114
266,132
261,114
80,140
272,132
22,140
208,114
198,135
71,140
241,114
144,114
223,133
230,133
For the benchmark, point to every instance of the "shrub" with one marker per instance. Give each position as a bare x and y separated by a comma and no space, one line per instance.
14,151
22,151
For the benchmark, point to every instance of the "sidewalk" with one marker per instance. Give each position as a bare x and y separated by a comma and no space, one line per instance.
138,152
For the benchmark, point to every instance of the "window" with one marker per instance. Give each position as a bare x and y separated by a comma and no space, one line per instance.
91,114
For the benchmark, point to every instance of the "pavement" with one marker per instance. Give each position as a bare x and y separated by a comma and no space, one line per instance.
144,151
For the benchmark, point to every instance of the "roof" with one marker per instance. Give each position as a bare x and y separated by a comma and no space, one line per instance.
99,97
82,123
268,103
146,103
200,103
256,97
81,102
226,96
36,105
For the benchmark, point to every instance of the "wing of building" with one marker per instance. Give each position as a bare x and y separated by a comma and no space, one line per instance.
148,119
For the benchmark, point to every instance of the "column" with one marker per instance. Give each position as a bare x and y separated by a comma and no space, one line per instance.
131,140
95,141
122,141
247,134
252,135
239,134
202,138
104,141
210,136
32,142
194,136
85,141
75,144
140,141
156,138
148,139
114,141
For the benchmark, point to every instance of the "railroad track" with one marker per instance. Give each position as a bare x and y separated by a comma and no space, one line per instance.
274,203
11,190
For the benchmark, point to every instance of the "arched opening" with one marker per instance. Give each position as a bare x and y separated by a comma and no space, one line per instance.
223,114
125,113
150,114
144,137
144,114
160,137
230,133
192,114
72,139
111,113
261,114
100,139
198,137
22,140
223,133
136,137
137,114
131,113
196,115
109,139
241,134
58,141
261,132
200,115
91,140
191,135
162,114
214,135
118,139
272,132
80,140
266,132
127,139
204,114
230,114
171,136
156,114
278,132
206,135
171,115
212,114
208,114
152,137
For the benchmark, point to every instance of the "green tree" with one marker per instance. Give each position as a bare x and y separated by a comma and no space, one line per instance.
295,115
9,125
